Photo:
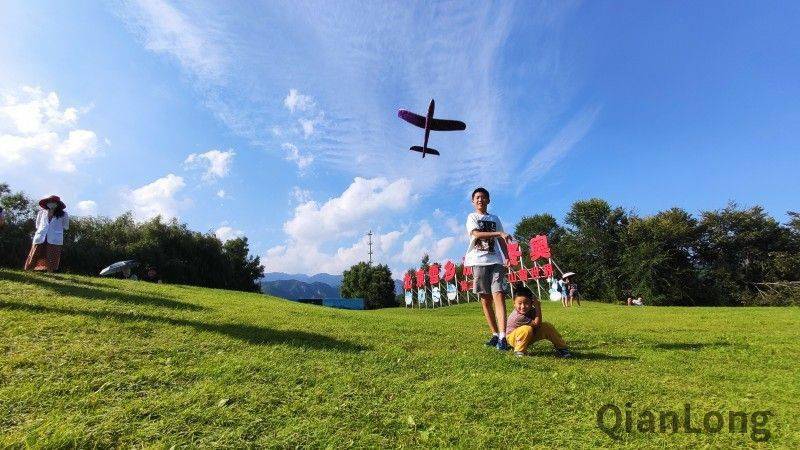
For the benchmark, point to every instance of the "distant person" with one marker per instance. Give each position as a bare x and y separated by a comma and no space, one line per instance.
525,325
572,292
2,217
151,275
51,221
486,242
635,301
129,275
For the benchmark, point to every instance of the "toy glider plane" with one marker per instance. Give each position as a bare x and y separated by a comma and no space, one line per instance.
429,123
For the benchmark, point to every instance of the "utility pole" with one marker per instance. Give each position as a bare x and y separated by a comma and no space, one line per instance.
370,246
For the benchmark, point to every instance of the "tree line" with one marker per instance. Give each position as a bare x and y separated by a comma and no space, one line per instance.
726,257
730,256
178,254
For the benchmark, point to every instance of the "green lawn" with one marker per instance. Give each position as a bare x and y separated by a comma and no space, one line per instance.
95,362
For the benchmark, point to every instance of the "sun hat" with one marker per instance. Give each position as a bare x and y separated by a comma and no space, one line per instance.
53,198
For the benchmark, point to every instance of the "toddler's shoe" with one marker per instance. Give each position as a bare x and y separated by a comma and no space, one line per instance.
492,342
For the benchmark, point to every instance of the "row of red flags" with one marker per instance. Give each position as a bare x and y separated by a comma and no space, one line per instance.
539,249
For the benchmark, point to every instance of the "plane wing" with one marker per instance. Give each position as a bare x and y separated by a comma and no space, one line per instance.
410,117
447,125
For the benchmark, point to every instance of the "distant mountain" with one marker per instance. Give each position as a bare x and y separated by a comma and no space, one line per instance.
331,280
334,281
294,289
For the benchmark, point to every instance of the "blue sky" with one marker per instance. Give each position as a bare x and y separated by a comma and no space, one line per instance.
277,120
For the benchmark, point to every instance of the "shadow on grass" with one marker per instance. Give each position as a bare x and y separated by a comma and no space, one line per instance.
66,287
691,345
251,334
592,356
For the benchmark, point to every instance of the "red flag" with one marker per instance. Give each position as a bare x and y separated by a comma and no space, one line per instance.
420,278
522,274
548,270
512,277
539,247
407,282
464,285
535,273
449,271
433,274
467,271
514,253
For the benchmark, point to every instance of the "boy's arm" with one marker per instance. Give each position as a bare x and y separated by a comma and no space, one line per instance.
488,234
537,320
504,249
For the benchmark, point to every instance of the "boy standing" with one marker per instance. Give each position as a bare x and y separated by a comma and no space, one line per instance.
486,241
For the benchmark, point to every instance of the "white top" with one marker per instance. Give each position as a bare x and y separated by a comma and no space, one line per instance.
52,230
483,252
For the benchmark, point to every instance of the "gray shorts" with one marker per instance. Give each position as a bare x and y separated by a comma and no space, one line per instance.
488,279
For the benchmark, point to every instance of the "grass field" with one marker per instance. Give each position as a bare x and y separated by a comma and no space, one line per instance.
94,362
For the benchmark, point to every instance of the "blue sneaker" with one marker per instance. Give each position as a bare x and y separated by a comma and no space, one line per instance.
563,353
502,344
492,342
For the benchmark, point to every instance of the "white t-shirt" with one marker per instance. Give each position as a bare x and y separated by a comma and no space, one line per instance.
483,252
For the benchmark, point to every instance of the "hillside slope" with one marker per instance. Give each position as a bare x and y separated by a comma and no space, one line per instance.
94,362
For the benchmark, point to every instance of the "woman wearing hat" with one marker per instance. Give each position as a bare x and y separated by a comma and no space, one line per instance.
51,221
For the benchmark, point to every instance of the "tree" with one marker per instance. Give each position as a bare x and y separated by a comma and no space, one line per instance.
373,283
659,261
15,237
592,247
179,254
245,270
739,247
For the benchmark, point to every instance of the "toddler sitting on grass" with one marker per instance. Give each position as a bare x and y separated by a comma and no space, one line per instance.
524,325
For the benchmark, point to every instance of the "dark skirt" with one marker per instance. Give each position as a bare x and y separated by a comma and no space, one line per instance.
44,257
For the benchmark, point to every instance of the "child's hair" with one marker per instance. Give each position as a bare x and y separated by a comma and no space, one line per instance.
523,291
480,189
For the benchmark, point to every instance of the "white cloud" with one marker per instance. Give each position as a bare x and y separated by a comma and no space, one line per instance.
221,193
158,198
35,130
300,195
293,154
217,164
87,207
386,241
308,126
316,227
331,236
295,101
417,246
226,233
342,215
189,36
559,146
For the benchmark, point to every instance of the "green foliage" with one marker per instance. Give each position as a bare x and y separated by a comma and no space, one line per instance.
178,254
659,261
672,258
100,363
593,246
372,283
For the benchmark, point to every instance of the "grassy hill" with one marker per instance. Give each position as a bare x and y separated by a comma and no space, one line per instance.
95,362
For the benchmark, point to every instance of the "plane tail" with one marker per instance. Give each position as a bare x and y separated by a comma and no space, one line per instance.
429,151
